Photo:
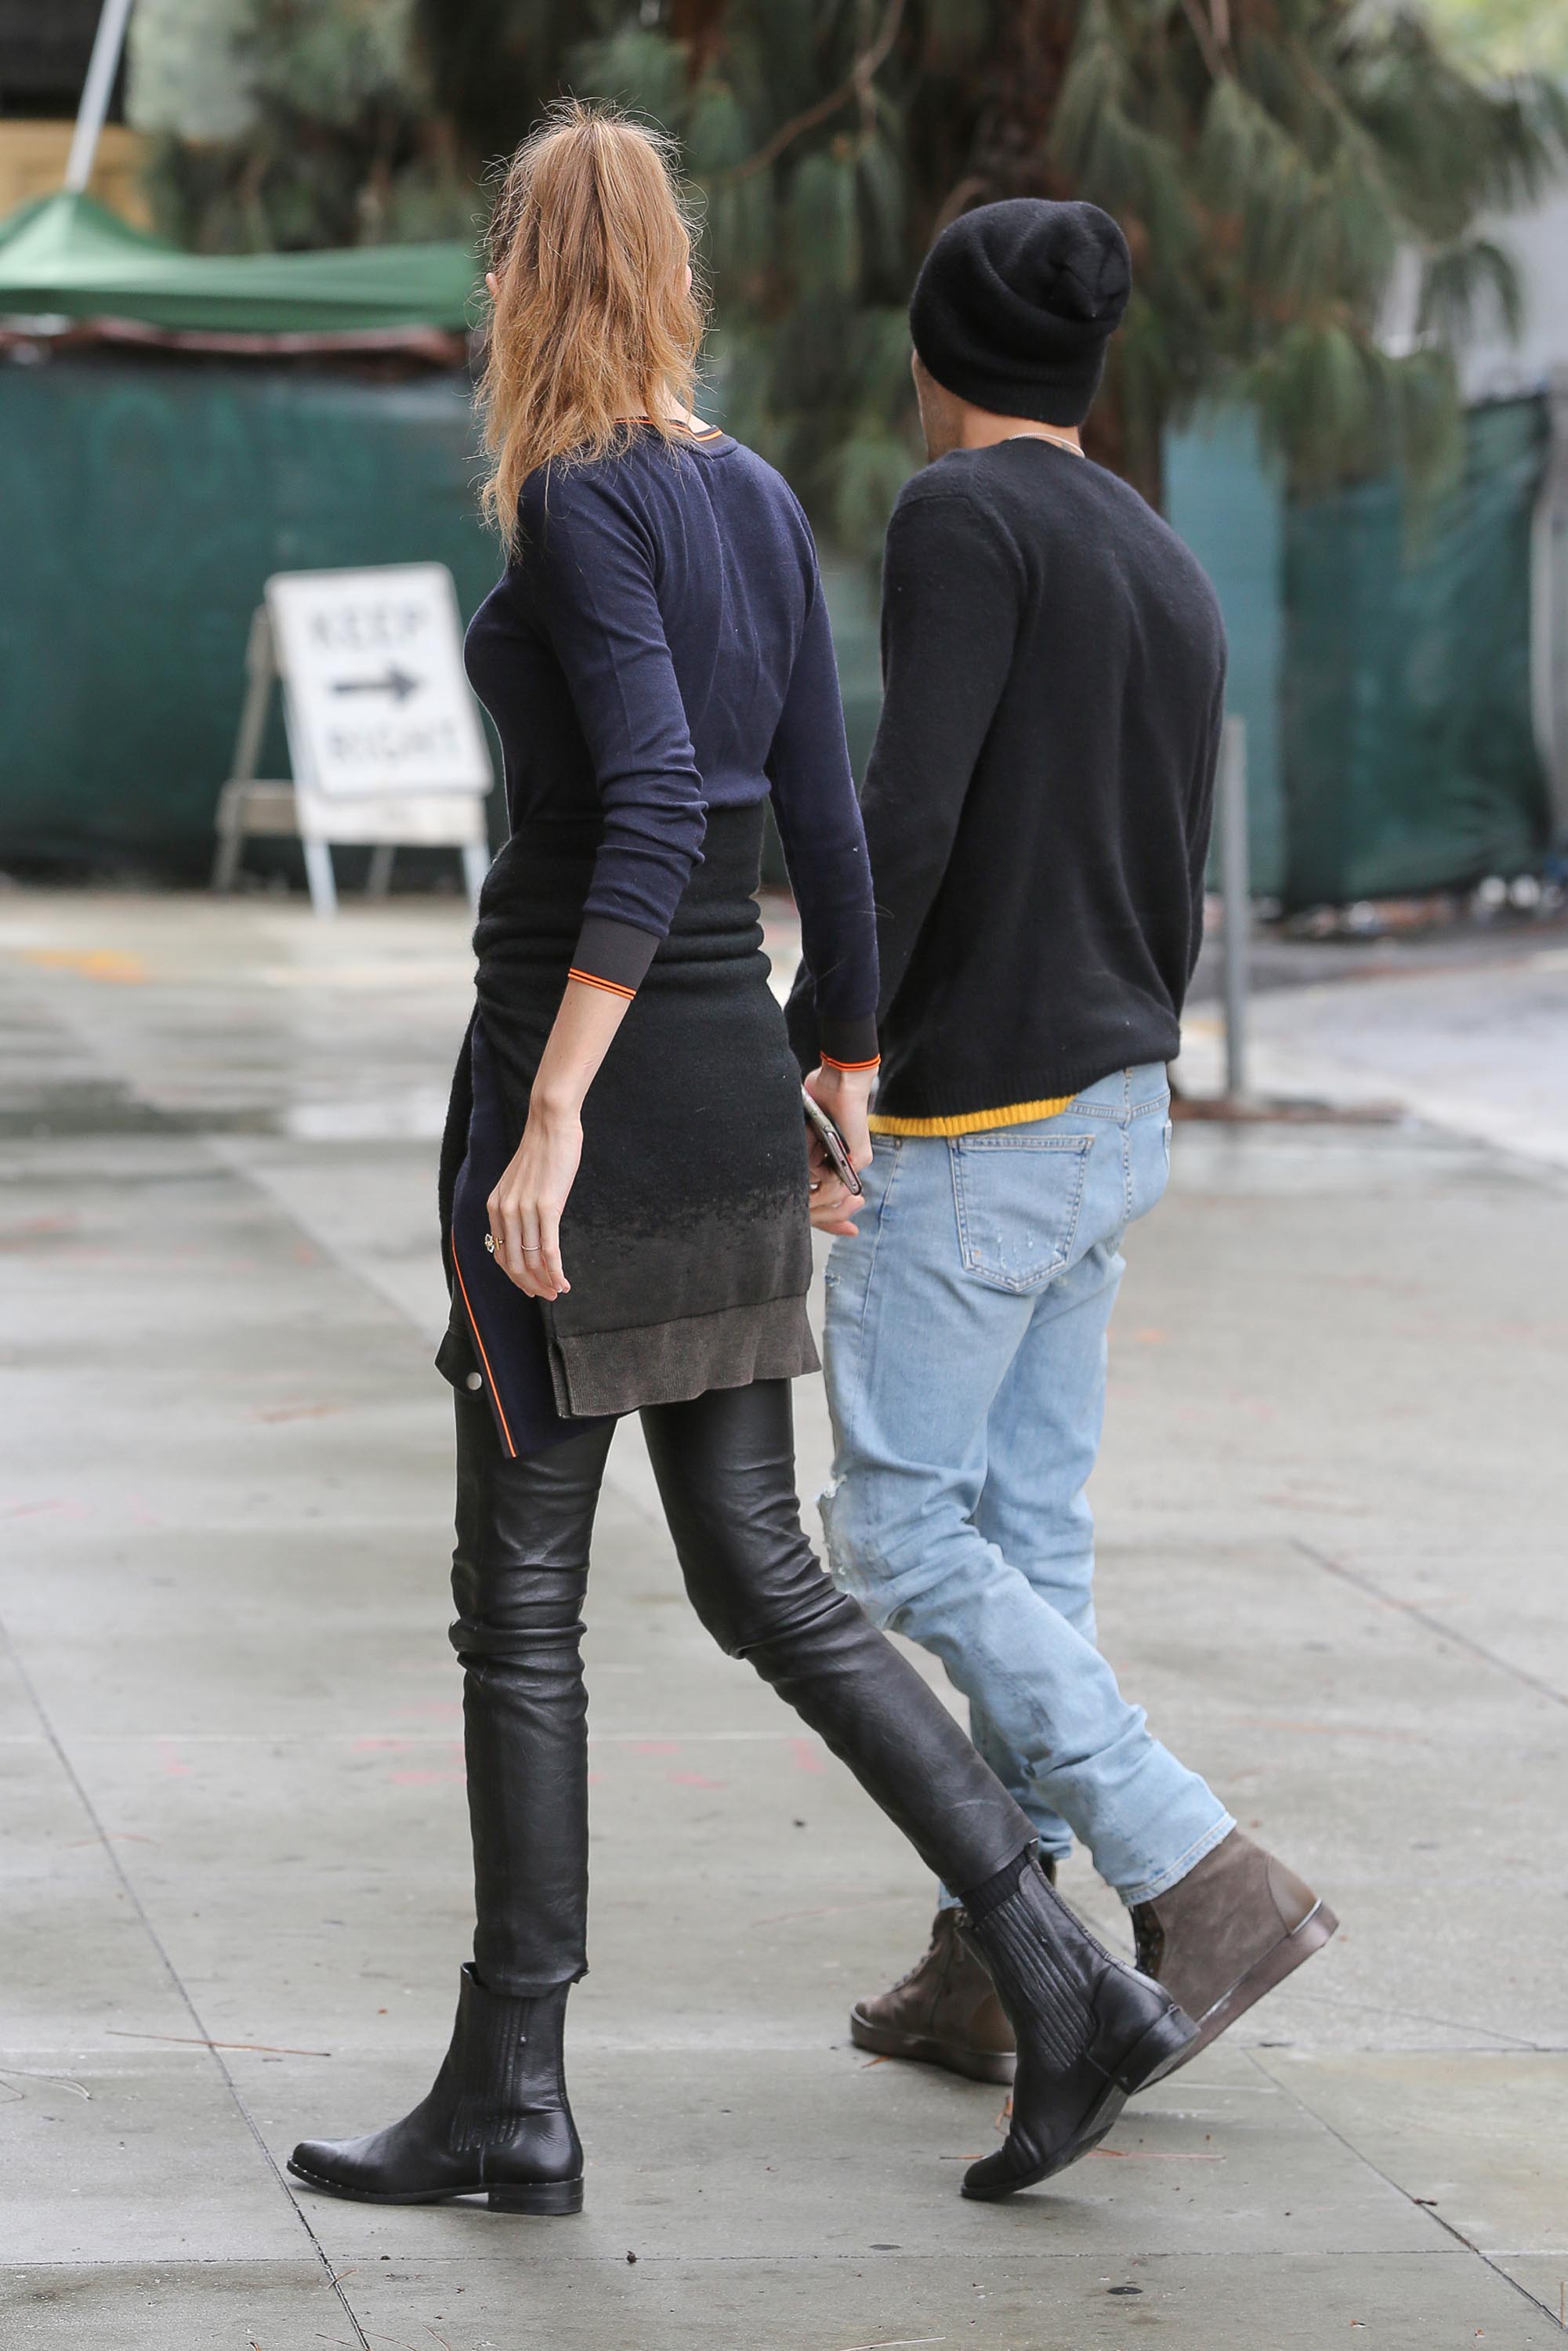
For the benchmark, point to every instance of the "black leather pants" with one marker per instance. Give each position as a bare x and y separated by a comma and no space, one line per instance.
725,1469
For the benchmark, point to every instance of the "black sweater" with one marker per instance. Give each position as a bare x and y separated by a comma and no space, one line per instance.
1039,792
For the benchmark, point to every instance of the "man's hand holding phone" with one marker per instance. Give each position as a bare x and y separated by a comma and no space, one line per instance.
844,1096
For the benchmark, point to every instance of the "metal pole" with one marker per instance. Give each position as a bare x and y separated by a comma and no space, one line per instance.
318,874
260,674
96,91
475,866
1237,897
1549,602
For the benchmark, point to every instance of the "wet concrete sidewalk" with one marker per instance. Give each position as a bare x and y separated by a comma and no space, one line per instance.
236,1882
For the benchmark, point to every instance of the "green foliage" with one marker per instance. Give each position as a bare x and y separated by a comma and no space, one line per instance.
1507,36
1277,165
292,123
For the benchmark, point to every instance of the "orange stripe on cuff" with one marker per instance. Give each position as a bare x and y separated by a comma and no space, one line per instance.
611,986
874,1064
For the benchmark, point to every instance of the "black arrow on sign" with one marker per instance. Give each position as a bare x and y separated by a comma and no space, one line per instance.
397,682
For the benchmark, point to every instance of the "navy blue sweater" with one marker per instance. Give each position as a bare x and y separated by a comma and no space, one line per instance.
657,646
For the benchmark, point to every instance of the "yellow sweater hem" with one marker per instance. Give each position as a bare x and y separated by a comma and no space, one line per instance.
971,1122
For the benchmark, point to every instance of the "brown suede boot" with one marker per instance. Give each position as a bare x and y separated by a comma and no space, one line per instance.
943,2011
1228,1932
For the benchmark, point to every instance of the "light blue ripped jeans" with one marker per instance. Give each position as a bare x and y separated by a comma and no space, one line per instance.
965,1369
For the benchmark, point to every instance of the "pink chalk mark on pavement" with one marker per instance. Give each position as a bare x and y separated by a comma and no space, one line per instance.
434,1775
807,1756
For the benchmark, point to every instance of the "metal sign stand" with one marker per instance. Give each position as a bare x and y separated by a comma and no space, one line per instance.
251,805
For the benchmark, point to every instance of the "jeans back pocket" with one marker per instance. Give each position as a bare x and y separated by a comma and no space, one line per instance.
1017,1194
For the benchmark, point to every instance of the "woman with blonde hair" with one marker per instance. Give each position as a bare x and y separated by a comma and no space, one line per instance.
627,1183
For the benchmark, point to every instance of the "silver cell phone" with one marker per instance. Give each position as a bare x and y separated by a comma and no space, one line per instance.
832,1143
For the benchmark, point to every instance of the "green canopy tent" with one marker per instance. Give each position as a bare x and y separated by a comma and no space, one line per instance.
66,256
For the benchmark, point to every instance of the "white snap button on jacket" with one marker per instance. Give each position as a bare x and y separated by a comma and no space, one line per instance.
474,1381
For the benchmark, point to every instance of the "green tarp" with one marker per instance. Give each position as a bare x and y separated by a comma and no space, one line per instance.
145,502
1223,498
1410,757
67,255
1381,659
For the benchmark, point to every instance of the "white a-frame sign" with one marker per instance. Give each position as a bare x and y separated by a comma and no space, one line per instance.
384,737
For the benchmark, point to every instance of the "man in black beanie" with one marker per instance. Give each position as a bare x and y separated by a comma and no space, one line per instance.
1037,809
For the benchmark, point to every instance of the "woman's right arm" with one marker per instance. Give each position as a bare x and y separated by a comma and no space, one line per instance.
594,567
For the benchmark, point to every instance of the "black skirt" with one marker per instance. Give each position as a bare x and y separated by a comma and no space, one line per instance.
686,1237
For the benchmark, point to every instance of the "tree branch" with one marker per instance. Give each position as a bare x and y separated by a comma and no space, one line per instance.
865,66
958,200
1202,32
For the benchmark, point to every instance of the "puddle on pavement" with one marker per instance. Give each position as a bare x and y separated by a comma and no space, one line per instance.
97,1107
1265,1160
93,1107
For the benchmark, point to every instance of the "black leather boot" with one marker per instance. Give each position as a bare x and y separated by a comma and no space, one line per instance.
1090,2029
495,2123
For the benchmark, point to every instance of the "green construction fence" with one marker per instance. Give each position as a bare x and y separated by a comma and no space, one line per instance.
143,500
1409,748
145,504
1380,656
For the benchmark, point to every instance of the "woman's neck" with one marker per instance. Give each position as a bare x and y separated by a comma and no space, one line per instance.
673,414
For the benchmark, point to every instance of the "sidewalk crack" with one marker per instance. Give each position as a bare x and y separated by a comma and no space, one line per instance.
1419,2203
1434,1625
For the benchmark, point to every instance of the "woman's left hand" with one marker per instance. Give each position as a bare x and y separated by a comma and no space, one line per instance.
526,1205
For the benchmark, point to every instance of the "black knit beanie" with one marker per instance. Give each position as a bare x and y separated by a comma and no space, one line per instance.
1015,303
